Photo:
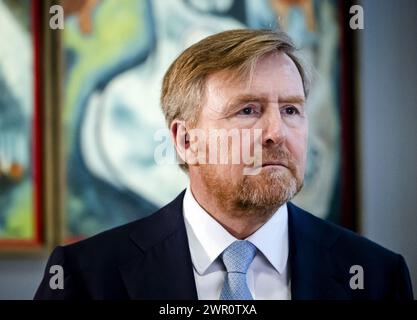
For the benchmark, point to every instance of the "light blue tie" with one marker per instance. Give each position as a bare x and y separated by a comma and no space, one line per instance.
236,258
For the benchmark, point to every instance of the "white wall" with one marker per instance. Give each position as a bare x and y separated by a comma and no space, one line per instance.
388,129
19,278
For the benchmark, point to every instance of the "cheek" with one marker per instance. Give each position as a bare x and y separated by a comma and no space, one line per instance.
297,145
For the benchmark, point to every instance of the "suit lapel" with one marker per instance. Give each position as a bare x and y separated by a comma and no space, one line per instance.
162,267
313,276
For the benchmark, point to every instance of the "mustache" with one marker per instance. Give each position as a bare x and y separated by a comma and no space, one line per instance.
276,156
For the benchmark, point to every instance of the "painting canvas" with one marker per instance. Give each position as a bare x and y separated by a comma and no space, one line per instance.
19,206
116,54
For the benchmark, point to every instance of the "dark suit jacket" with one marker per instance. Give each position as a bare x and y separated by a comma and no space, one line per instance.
150,259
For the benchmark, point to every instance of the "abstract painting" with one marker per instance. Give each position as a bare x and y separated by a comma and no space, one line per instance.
116,53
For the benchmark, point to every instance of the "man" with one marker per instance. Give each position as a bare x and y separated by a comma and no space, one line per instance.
232,234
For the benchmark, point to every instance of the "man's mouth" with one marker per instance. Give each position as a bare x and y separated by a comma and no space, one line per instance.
274,164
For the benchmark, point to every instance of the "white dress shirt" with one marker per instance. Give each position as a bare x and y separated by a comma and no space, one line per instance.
267,276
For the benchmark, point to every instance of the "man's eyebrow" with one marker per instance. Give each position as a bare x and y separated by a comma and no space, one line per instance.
299,99
245,98
292,99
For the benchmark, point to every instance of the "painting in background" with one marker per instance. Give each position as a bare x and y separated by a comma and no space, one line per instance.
18,216
116,53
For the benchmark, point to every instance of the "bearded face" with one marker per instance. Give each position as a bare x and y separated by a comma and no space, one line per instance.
271,103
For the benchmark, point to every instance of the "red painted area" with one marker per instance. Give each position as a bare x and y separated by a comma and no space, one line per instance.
36,136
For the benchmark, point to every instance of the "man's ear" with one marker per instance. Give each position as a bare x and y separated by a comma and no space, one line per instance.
181,138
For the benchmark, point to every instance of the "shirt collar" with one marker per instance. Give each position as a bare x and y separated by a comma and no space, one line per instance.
208,238
271,239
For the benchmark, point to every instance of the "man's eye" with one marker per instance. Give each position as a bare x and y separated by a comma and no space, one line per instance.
249,110
291,110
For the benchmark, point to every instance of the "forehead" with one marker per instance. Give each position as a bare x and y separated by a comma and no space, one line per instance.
274,76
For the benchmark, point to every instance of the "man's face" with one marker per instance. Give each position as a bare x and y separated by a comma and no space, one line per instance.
273,101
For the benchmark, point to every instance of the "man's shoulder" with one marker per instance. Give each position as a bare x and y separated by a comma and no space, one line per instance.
115,245
338,253
98,267
106,248
342,243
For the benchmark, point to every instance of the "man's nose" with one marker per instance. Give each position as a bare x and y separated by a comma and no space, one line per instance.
273,129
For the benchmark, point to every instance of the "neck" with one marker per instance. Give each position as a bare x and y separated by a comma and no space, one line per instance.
239,222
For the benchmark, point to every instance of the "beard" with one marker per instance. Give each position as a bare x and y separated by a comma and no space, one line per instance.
256,194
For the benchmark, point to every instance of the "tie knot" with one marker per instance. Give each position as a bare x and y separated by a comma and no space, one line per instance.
238,256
